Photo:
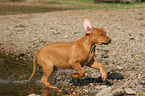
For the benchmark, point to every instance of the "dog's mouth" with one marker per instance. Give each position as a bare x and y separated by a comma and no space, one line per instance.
103,43
106,43
98,43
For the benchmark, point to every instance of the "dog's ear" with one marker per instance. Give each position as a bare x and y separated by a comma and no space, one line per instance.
87,26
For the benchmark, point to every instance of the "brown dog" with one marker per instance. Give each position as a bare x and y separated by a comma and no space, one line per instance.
72,55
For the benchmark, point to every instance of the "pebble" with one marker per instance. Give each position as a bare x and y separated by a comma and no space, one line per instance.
2,61
104,55
116,76
101,87
118,92
129,91
91,84
105,91
33,95
120,67
142,80
66,36
77,33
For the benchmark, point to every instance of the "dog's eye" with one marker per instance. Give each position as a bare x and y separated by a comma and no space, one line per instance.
101,34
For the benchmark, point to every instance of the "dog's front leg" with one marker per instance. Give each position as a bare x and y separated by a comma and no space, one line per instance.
97,65
79,69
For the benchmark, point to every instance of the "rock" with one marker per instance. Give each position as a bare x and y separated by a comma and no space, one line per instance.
105,91
91,84
118,92
21,55
66,36
56,33
115,76
120,67
2,61
104,54
107,82
131,39
33,94
101,87
76,33
142,81
141,34
129,91
106,62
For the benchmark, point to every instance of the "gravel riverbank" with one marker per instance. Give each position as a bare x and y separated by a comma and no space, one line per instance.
23,35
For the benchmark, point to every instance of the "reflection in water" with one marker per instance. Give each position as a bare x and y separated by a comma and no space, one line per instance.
13,81
14,76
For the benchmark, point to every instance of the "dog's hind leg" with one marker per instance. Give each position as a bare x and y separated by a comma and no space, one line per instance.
48,68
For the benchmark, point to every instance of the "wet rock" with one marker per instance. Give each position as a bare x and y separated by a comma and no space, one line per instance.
118,92
129,91
115,76
2,61
106,82
105,91
85,81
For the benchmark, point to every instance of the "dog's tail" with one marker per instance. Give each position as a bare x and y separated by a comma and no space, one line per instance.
34,67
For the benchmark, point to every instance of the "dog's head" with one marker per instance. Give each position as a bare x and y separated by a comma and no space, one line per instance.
97,35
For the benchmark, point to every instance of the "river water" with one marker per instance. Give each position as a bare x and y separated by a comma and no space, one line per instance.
14,76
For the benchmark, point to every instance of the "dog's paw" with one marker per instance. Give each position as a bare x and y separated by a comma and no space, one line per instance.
52,87
104,75
74,75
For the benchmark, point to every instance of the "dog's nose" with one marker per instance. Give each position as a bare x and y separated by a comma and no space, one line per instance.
109,40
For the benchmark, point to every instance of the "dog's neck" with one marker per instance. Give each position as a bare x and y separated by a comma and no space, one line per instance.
86,43
88,46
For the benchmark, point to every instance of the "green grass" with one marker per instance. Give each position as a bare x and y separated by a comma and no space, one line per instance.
89,4
70,1
122,5
58,5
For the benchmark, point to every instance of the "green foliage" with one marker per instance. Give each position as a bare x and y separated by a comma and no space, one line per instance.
68,1
83,1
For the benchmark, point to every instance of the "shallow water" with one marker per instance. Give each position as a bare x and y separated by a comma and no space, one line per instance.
14,76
